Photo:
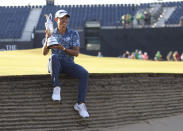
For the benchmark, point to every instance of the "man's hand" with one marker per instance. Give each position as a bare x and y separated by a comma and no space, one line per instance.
72,52
59,46
45,50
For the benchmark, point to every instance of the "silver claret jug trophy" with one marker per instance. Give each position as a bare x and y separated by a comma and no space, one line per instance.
49,27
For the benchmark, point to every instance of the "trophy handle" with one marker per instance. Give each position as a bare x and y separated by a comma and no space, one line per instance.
46,16
49,24
50,16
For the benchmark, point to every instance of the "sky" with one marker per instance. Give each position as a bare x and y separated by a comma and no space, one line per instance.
76,2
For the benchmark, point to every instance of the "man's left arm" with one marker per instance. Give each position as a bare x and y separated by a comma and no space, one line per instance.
73,52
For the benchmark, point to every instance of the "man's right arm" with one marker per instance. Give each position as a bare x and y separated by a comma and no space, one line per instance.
45,50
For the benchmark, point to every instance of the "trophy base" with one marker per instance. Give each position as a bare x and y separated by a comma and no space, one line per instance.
49,47
52,41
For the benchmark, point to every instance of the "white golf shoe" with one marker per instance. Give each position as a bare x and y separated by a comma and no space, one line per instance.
56,94
81,108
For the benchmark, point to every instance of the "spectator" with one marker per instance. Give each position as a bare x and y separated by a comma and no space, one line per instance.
181,57
147,17
158,56
169,56
127,20
146,57
136,54
176,56
126,55
132,56
140,55
123,22
99,54
140,18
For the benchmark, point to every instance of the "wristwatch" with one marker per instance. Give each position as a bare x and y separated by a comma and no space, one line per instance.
64,49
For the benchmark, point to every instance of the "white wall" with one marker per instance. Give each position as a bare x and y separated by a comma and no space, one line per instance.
76,2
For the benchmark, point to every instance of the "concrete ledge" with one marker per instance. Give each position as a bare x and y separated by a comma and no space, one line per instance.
112,100
92,75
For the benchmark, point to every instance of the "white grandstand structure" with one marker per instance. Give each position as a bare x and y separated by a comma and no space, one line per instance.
78,2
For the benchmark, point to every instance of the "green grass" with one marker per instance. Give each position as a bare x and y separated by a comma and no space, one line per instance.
27,62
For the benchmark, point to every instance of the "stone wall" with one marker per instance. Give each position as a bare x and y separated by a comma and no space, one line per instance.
112,100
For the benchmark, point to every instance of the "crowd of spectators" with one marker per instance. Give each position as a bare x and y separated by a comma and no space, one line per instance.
174,56
127,20
138,54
